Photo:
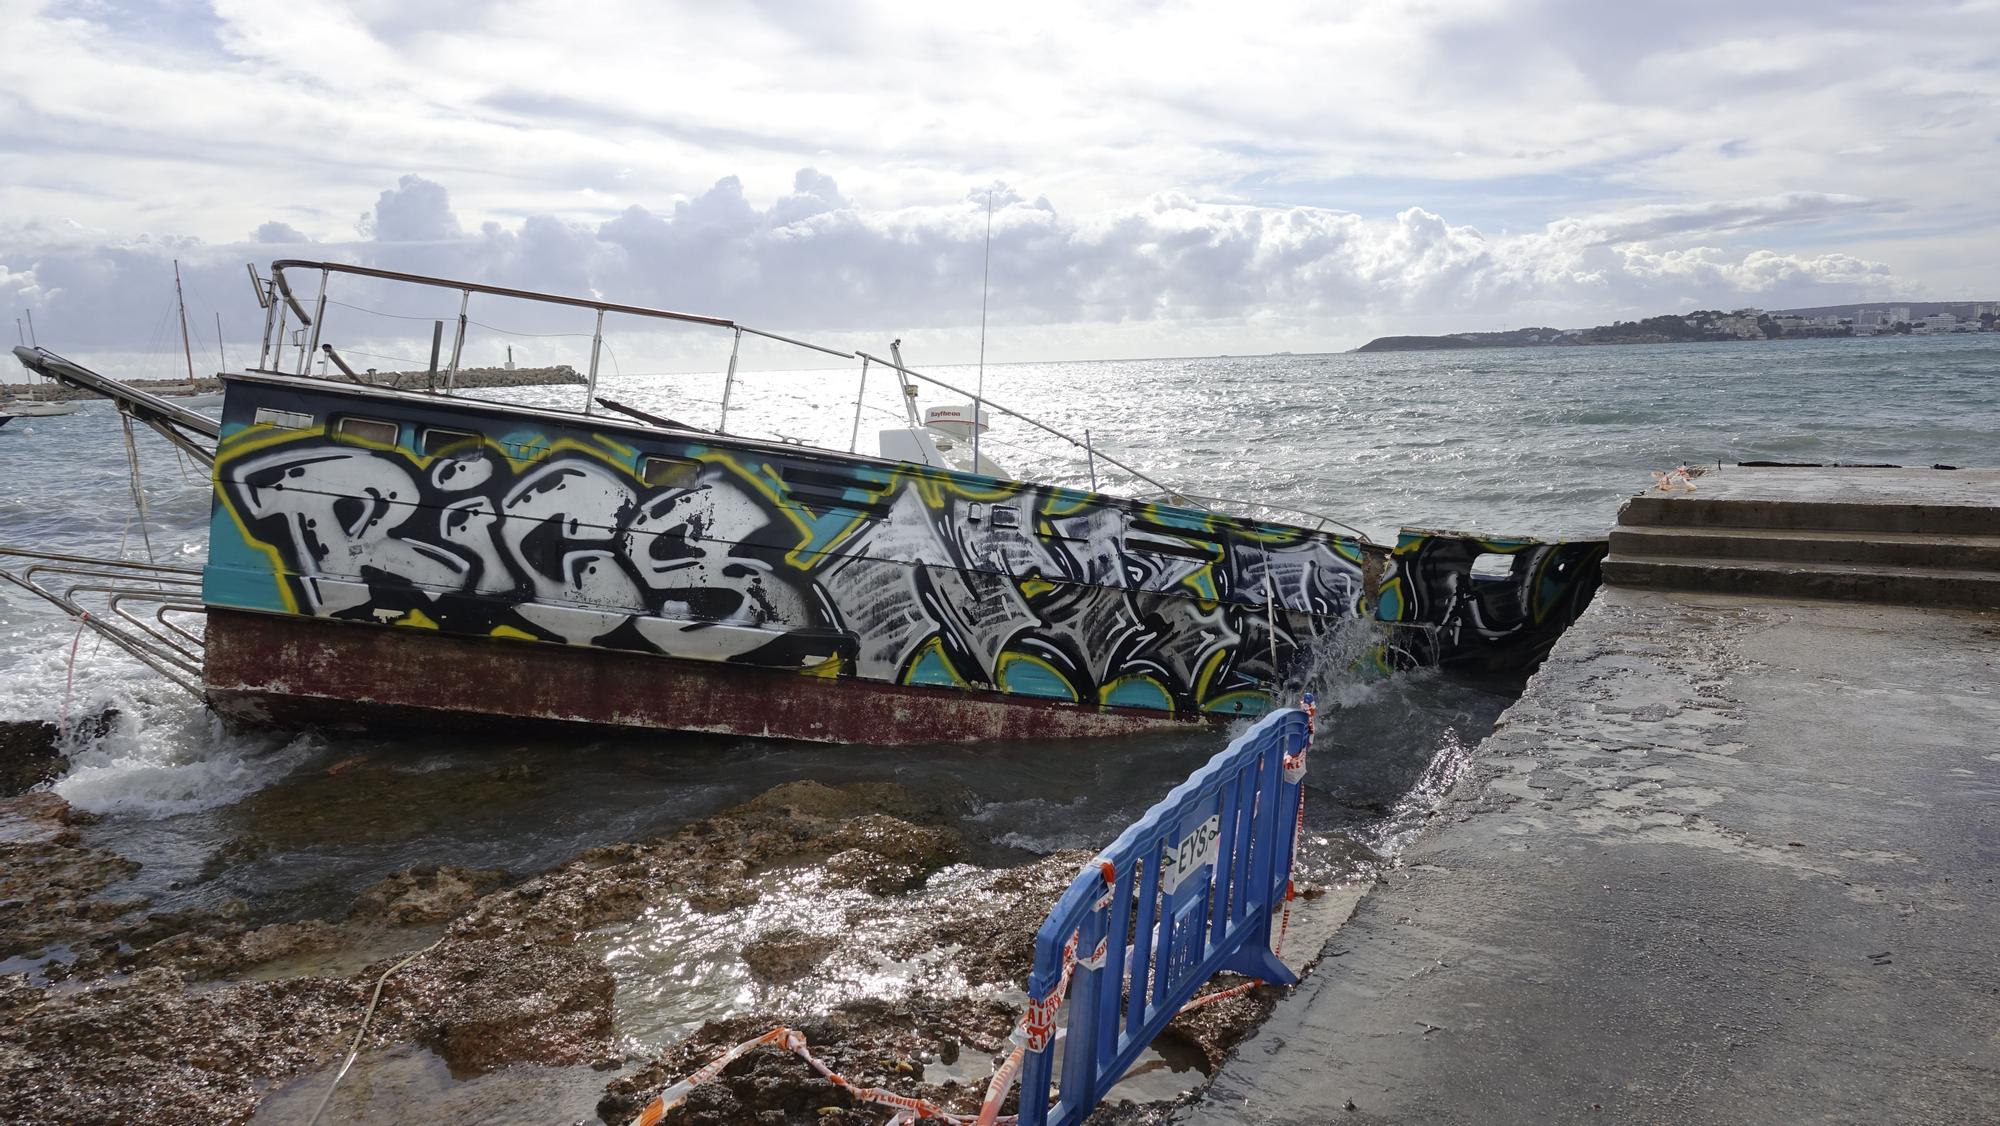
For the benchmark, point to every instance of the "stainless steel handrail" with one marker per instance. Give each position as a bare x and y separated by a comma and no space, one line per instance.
465,289
1092,453
173,585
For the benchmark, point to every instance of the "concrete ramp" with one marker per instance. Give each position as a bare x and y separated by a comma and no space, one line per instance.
1926,537
1728,860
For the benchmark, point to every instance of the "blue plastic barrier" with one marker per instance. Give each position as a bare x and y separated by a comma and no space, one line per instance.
1223,844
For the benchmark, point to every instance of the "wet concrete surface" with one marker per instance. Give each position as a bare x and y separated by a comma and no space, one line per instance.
1727,860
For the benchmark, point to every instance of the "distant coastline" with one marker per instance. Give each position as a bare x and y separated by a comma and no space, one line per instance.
1909,318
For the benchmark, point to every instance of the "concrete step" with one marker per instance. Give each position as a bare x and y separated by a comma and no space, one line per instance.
1895,549
1686,511
1849,582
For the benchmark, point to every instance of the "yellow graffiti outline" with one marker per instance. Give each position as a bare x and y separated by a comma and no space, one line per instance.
1105,690
1008,657
1035,588
1063,502
1205,675
932,644
1221,703
828,669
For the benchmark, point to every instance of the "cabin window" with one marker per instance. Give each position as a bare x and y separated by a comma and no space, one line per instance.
669,472
1492,565
290,420
367,430
437,440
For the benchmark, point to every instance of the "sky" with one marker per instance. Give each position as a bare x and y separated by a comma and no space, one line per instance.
1165,178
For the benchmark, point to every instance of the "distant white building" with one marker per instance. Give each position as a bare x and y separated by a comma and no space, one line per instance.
1899,314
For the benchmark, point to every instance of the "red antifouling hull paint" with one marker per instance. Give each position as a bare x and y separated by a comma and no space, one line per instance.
295,670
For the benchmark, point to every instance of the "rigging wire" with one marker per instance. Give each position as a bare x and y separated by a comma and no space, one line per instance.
138,492
391,316
511,332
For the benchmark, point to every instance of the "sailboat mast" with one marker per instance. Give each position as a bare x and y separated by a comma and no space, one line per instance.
182,303
222,357
979,388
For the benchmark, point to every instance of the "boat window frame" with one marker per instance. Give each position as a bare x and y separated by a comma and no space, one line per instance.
459,437
342,432
676,466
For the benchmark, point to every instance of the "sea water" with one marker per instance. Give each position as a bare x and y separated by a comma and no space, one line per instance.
1543,442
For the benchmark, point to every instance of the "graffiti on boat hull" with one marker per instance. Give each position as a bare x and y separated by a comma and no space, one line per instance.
1506,619
778,559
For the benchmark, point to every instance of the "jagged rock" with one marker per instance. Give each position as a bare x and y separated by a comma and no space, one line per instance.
425,894
482,1004
786,954
49,879
30,751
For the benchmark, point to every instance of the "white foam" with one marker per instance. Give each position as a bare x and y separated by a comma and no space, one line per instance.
165,754
169,755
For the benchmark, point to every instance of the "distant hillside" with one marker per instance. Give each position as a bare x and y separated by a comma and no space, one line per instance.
1417,343
1922,318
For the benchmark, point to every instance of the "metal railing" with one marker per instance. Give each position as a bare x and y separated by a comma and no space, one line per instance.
277,311
282,304
103,593
1196,883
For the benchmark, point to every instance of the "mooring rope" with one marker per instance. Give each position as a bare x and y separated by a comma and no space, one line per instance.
69,678
354,1049
138,492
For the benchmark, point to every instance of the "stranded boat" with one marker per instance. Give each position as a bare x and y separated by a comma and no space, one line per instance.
419,555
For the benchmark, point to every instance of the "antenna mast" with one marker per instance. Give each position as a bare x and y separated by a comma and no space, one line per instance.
979,387
182,303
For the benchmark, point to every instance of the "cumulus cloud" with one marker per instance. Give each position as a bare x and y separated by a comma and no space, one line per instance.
815,261
276,232
415,210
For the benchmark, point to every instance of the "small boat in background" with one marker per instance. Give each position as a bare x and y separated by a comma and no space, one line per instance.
5,419
39,408
38,403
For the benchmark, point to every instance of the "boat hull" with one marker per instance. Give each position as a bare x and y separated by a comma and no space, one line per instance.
297,671
32,409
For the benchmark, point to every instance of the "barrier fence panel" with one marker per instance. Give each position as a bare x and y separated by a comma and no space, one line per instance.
1196,884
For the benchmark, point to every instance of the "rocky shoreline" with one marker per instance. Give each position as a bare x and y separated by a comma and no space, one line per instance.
198,1016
